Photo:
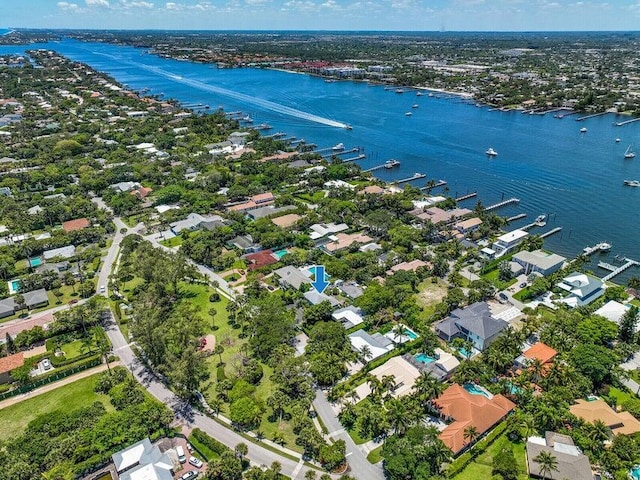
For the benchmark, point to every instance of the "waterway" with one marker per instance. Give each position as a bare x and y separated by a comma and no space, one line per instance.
576,178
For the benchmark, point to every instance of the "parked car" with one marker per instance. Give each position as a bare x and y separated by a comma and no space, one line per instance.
189,475
102,289
46,364
195,461
523,284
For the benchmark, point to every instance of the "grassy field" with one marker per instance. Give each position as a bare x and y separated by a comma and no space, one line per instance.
621,396
375,455
481,467
172,242
429,295
14,419
492,277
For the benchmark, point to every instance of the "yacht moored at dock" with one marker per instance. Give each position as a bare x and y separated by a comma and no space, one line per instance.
600,247
338,148
391,163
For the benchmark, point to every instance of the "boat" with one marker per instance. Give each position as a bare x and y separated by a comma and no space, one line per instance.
603,246
408,114
617,140
583,130
329,80
399,90
491,152
348,127
415,105
418,94
391,163
632,183
431,94
541,218
338,148
263,126
629,153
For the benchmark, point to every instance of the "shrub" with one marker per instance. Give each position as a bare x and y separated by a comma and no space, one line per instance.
214,297
209,442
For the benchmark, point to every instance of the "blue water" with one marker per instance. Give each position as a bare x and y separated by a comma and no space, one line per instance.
35,261
4,31
312,271
410,333
576,178
280,253
474,390
424,358
15,285
635,472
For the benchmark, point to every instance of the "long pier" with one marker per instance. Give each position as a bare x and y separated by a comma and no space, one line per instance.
502,204
340,152
426,188
353,159
607,266
467,196
620,124
516,217
416,176
629,263
551,232
591,116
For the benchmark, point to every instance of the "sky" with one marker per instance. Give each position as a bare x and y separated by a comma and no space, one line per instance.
415,15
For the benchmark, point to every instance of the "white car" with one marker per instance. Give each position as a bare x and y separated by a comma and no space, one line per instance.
196,462
46,364
189,475
103,289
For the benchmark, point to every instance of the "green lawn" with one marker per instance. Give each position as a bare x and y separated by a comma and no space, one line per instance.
621,396
429,295
492,277
203,449
375,455
73,349
14,419
172,242
481,466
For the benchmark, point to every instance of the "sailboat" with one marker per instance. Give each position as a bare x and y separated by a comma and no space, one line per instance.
629,153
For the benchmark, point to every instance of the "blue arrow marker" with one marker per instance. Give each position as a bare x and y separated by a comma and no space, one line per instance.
319,283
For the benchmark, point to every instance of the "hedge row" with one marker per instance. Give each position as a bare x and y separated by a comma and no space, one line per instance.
478,449
209,442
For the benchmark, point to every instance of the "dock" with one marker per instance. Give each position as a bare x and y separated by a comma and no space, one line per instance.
607,266
591,116
516,217
467,196
276,135
600,247
551,232
620,124
340,152
416,176
428,188
629,263
362,156
533,224
504,203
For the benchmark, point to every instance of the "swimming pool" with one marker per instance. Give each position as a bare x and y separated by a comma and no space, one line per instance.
514,389
312,271
35,261
280,253
424,358
475,390
464,352
635,472
410,333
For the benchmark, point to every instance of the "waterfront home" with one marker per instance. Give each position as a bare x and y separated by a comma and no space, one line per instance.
538,261
349,316
437,215
570,461
291,277
77,224
469,225
508,241
582,289
377,344
338,184
475,323
143,461
469,407
372,190
618,422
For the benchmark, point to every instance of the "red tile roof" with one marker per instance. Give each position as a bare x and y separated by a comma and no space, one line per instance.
11,362
77,224
541,351
260,259
469,410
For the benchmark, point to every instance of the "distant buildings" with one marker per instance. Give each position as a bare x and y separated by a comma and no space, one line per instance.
257,201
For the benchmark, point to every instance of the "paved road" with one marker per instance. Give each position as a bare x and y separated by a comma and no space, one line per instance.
360,466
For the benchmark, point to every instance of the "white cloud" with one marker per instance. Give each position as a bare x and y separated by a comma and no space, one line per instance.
97,3
202,6
256,2
173,6
68,6
126,4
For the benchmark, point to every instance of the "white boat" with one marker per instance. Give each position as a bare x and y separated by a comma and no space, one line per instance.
491,152
632,183
629,153
418,94
391,163
604,246
617,140
583,130
408,114
399,90
541,218
337,148
415,105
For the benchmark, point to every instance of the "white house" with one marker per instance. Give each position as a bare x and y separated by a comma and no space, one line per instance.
583,289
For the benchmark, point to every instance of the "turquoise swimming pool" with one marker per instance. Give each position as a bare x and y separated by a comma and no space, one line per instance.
424,358
410,333
312,271
14,286
280,253
464,352
635,472
474,390
35,261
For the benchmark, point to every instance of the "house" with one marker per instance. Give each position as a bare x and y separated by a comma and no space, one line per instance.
508,241
267,211
349,316
465,409
286,221
36,298
321,230
345,240
292,277
538,351
122,187
192,222
619,423
141,192
377,344
467,226
9,363
571,462
539,261
314,297
62,252
260,259
372,190
257,201
440,366
7,307
404,375
5,192
350,289
77,224
582,289
143,461
338,184
614,311
475,323
437,215
35,210
244,243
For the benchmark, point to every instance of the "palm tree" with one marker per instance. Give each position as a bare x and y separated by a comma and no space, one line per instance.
427,388
398,415
398,332
598,432
471,434
548,463
375,385
388,383
365,353
219,350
